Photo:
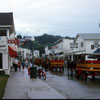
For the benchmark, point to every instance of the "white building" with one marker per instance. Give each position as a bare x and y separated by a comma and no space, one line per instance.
86,43
6,51
47,50
60,47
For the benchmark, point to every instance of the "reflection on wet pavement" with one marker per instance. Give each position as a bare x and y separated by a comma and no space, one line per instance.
72,88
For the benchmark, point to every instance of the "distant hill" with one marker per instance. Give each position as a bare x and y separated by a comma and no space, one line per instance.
41,41
46,39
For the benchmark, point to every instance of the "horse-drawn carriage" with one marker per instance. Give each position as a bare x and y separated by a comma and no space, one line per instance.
85,68
57,64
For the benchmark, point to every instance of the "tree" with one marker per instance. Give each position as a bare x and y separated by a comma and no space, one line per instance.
19,36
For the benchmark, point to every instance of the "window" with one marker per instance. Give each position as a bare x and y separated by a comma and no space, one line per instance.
96,44
81,44
92,46
3,33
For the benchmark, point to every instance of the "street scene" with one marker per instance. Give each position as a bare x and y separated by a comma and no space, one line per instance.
51,53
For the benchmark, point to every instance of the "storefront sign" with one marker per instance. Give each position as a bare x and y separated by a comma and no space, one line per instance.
73,45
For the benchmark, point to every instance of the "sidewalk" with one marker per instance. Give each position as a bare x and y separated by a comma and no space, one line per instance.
20,86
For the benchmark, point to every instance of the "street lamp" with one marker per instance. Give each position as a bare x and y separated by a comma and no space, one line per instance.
32,39
33,72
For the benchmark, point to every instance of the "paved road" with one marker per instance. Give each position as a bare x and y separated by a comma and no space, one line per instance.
72,88
20,86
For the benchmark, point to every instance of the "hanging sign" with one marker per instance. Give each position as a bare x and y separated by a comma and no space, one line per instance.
13,41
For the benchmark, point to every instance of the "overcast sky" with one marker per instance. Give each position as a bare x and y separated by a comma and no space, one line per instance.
56,17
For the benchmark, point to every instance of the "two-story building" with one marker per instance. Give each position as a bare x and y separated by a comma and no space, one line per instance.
60,47
86,43
6,50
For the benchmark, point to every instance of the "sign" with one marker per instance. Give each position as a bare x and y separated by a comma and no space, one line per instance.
15,41
73,45
2,47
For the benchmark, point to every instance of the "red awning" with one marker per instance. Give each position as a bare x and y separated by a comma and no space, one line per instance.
12,52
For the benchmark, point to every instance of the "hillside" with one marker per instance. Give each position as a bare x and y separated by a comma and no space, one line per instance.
41,41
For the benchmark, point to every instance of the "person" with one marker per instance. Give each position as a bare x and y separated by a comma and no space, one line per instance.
29,67
45,64
65,63
23,64
26,63
15,64
68,65
72,66
19,65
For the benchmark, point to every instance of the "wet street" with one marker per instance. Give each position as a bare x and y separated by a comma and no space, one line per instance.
72,88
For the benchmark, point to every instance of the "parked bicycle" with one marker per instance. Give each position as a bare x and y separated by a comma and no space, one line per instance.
41,73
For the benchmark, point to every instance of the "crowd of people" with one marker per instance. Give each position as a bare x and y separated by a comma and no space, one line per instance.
19,65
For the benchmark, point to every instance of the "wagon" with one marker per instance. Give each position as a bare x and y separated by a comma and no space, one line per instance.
57,64
87,68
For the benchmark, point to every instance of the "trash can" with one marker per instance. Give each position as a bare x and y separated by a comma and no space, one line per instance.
33,72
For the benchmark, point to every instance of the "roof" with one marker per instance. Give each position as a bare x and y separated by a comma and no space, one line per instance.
88,36
60,40
6,19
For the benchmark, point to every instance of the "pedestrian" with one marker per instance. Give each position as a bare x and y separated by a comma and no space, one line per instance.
15,64
72,66
45,64
23,64
19,65
68,65
29,67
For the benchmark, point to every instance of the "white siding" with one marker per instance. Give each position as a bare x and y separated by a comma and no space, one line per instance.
5,61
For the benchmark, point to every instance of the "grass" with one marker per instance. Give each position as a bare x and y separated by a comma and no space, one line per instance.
3,81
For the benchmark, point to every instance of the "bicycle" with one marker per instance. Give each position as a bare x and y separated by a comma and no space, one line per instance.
41,73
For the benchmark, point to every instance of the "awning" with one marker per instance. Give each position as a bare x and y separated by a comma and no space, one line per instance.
12,51
97,51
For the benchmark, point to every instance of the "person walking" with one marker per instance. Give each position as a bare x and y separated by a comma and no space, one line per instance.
15,64
23,65
19,65
29,67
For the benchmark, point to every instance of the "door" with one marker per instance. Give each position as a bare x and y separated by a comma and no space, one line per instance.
0,60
